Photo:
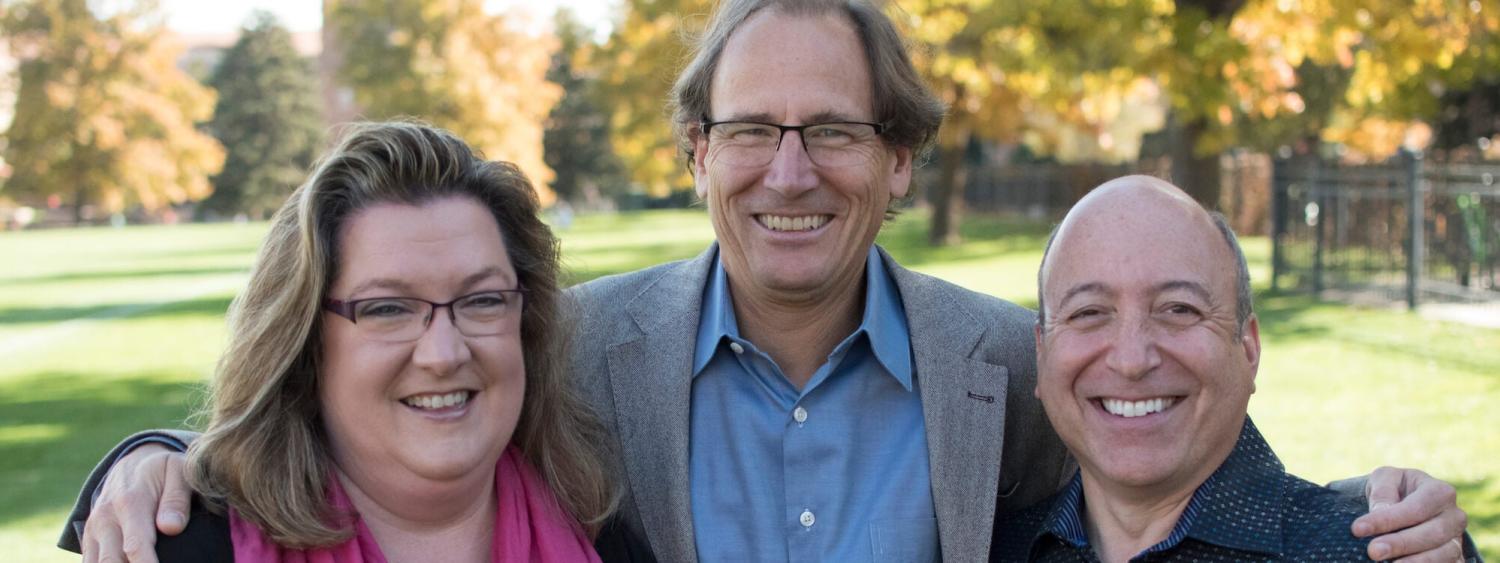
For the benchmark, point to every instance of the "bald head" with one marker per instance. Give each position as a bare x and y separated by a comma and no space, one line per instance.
1154,214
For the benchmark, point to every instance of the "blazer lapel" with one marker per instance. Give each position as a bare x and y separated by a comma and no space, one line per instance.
963,405
650,374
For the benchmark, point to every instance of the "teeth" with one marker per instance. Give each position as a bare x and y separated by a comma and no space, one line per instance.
454,399
798,223
1132,409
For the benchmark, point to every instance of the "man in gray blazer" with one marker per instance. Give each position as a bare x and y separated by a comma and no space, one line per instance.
792,393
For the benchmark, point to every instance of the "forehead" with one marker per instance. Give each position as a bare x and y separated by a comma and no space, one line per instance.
444,239
789,68
1137,249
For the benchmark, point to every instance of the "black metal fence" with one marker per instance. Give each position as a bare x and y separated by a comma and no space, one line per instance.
1404,230
1048,190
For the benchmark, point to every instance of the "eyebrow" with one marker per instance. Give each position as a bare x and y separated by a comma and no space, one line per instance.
401,286
1090,287
1190,286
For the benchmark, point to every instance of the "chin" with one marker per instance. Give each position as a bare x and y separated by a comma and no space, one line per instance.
448,463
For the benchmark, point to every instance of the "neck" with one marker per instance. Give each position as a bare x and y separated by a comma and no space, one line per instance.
798,331
415,519
1123,525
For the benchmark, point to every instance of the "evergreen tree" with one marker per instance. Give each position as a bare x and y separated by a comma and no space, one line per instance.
576,142
267,118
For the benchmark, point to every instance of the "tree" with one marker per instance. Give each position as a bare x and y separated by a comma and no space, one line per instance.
450,63
267,118
576,143
102,112
1009,71
636,67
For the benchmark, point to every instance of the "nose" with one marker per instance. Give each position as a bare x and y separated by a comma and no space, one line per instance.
441,349
791,172
1132,350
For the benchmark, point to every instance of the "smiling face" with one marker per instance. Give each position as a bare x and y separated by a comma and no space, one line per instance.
791,227
441,407
1142,370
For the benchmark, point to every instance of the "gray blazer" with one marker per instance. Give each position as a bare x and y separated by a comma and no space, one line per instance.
989,444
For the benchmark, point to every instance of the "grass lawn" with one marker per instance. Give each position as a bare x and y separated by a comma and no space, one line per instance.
107,331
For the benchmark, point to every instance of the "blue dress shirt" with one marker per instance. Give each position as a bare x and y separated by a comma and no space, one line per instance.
835,471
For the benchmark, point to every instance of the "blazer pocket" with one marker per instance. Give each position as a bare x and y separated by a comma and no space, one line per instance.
905,539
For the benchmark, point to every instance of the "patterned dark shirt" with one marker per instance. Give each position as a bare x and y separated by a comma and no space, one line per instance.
1250,509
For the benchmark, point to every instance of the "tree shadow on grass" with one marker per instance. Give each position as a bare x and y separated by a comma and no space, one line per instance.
54,426
1283,317
120,275
205,306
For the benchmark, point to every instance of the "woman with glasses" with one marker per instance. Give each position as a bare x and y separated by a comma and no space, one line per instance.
391,390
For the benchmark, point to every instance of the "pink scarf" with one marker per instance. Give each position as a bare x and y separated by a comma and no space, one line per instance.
529,526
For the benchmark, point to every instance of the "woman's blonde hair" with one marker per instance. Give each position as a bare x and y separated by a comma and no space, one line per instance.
265,451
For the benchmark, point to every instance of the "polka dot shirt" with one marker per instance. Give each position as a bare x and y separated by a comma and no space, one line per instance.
1250,509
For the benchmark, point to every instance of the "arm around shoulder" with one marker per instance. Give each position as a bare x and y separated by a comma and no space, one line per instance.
73,529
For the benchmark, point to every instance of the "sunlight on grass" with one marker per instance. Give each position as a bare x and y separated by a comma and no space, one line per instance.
121,327
11,436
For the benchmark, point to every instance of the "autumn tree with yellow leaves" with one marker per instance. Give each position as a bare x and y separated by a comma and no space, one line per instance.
1091,77
450,63
636,68
103,115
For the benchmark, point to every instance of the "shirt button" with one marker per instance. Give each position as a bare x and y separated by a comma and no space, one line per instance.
799,414
807,519
737,348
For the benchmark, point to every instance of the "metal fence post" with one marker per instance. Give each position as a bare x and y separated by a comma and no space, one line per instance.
1279,211
1415,247
1315,181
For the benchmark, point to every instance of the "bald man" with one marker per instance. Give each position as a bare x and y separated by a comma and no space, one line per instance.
1147,351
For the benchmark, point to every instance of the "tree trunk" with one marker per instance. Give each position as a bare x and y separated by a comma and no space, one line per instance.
948,193
1197,174
80,199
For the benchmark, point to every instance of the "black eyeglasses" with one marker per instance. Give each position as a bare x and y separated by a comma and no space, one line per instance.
753,143
404,319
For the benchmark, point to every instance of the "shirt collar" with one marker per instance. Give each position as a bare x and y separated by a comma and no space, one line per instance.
1235,498
883,322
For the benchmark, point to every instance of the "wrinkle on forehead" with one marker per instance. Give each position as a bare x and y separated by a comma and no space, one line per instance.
821,52
1154,214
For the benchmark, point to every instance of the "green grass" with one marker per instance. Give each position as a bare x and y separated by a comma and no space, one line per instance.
107,331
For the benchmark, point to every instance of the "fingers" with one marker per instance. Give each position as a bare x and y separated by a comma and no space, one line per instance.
126,533
1402,498
101,541
1432,538
172,514
1448,553
1384,488
122,524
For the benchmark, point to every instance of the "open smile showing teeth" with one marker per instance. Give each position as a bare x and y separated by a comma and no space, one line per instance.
436,401
1132,409
790,223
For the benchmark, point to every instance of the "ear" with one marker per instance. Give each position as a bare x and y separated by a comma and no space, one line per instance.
1250,340
1036,332
901,175
700,170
